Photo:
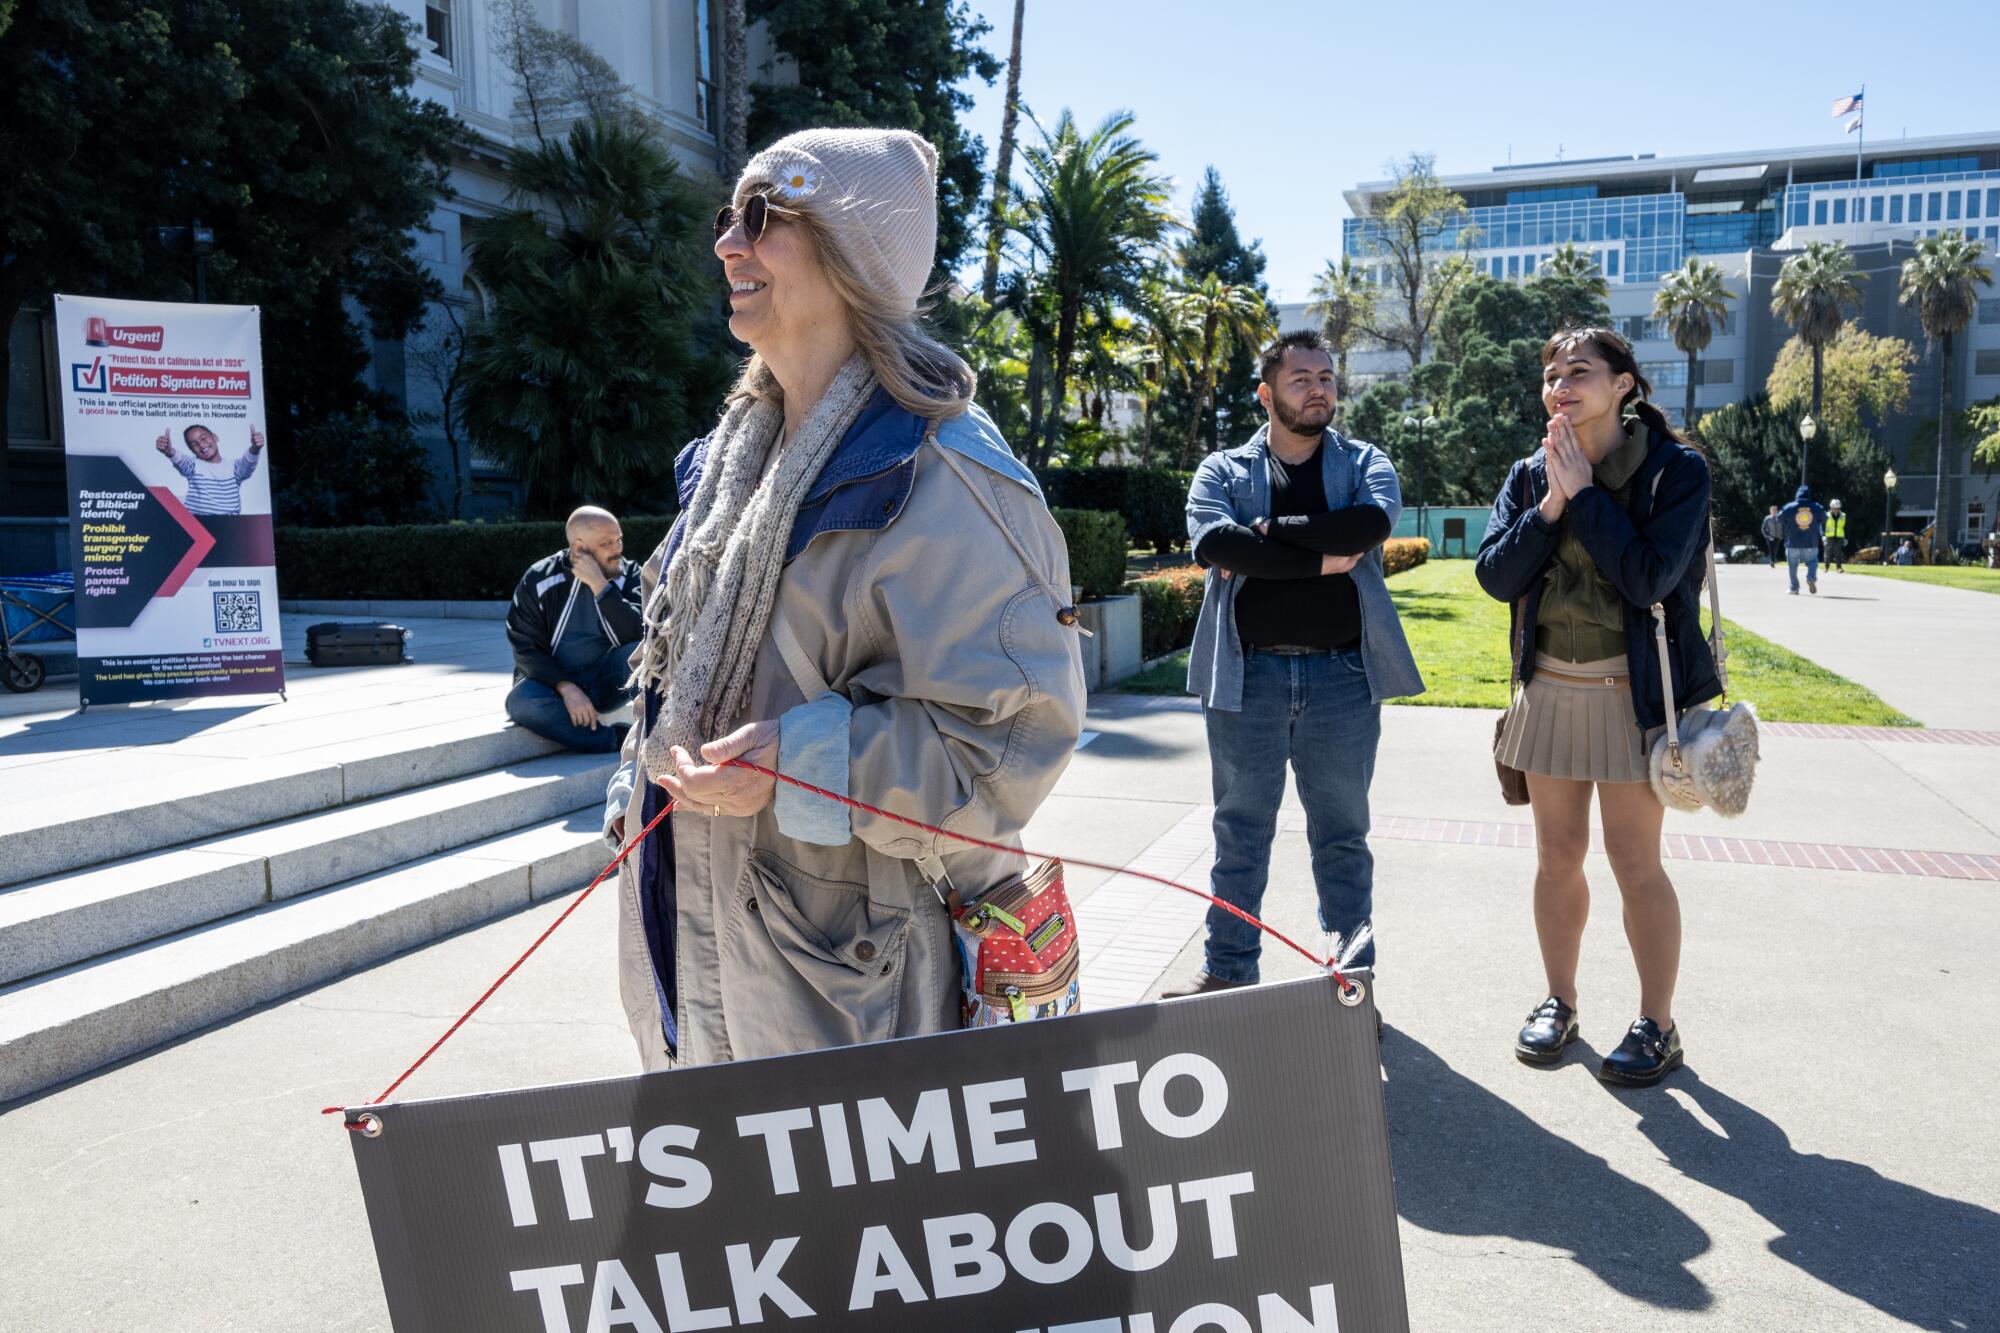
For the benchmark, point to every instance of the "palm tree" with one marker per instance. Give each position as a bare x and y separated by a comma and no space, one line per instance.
1003,162
1812,294
1169,348
1571,261
1093,211
1229,315
587,355
1343,301
1694,303
1941,280
736,90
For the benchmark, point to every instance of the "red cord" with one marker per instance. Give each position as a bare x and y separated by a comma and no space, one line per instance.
863,806
501,980
1273,932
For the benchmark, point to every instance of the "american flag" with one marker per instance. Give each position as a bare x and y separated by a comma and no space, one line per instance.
1847,104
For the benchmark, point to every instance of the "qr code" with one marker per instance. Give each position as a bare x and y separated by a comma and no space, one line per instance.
238,613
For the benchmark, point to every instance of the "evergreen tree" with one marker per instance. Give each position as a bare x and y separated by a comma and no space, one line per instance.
1483,379
1213,247
290,129
893,64
586,375
1753,450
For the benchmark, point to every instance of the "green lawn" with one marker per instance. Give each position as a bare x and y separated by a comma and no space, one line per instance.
1459,636
1974,577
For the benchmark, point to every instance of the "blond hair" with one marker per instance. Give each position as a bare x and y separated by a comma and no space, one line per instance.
925,377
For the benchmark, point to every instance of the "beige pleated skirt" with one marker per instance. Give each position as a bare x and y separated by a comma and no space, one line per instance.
1579,727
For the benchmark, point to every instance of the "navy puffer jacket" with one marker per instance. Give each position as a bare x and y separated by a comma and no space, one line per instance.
1651,550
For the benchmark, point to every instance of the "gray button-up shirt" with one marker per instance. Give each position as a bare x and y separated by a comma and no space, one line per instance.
1234,486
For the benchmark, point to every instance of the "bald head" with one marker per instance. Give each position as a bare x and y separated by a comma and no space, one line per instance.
593,532
587,522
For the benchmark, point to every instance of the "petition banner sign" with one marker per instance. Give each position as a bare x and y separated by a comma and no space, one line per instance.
170,500
1216,1165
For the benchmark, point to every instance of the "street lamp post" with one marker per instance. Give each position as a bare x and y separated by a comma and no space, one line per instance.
1888,514
1421,425
1808,428
198,242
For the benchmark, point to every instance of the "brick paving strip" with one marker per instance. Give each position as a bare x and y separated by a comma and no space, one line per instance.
1701,847
1132,930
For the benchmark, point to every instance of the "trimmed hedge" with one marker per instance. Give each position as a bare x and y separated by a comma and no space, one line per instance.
1170,601
429,561
1169,605
1152,499
1096,550
1401,553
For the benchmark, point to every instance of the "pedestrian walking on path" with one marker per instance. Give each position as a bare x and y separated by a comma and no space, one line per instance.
1295,649
865,591
1774,538
1836,535
1803,524
1606,519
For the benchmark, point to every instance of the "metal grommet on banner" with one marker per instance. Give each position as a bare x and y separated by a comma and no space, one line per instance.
1351,992
368,1125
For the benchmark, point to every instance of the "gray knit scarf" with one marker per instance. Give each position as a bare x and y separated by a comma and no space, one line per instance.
708,615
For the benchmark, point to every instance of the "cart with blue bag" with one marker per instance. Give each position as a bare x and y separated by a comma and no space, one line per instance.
34,608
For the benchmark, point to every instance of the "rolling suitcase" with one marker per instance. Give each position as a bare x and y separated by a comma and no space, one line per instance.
334,644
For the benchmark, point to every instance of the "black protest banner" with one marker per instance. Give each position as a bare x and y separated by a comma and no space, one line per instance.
1216,1165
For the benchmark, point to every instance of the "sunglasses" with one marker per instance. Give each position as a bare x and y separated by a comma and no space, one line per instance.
755,216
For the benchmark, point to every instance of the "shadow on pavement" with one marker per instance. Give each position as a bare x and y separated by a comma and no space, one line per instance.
123,729
1916,1256
1470,1164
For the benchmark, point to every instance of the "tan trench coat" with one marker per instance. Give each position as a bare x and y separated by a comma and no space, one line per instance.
957,700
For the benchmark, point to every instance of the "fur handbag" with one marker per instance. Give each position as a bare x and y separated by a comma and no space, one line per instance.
1707,759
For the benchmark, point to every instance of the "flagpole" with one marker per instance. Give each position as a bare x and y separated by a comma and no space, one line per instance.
1860,141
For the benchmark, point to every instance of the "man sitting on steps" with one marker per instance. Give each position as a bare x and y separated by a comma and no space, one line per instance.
574,620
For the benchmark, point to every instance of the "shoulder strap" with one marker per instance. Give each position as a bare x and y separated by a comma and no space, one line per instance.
1718,641
1667,686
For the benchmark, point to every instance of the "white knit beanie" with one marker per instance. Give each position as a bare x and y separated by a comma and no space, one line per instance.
874,190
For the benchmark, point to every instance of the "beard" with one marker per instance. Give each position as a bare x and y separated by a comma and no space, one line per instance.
1301,420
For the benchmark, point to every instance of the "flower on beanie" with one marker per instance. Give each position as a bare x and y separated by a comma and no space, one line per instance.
794,180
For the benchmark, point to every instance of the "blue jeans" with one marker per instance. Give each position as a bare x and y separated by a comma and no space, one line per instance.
540,709
1313,713
1802,555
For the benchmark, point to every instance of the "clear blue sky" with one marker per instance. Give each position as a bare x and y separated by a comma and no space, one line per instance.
1295,101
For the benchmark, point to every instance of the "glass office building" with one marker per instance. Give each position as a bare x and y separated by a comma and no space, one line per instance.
1640,217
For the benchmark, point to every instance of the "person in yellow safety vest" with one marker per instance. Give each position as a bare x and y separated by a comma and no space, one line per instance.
1836,536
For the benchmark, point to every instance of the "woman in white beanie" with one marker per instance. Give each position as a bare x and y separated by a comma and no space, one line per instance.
864,590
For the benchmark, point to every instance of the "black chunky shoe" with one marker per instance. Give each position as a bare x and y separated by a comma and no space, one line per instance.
1646,1056
1551,1028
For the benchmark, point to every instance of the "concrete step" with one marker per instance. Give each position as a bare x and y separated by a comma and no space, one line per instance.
54,922
147,800
69,1023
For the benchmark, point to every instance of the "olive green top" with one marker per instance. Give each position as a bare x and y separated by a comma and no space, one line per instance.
1582,616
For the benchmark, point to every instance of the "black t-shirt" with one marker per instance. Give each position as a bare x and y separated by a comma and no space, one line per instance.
1284,598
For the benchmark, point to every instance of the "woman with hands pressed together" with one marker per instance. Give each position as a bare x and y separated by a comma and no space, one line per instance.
1606,519
865,591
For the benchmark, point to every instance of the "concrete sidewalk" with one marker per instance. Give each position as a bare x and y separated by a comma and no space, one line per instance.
1930,651
1824,1162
